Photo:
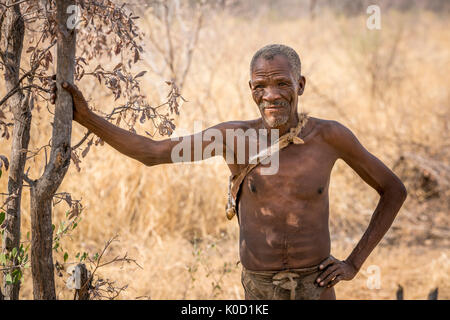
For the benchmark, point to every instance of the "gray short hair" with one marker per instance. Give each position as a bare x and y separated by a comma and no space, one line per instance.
270,51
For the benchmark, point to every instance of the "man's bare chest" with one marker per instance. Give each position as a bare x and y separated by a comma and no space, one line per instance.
298,171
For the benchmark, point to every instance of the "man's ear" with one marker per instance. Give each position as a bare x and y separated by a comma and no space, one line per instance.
301,85
250,84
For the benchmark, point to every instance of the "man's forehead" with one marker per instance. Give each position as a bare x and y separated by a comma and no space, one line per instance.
277,65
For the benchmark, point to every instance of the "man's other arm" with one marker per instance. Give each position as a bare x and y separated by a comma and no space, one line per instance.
392,195
375,173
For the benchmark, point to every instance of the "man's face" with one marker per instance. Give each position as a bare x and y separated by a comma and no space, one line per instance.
275,90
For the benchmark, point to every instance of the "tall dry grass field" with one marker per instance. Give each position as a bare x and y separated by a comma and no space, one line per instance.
389,86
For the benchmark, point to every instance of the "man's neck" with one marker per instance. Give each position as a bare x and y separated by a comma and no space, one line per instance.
283,129
292,123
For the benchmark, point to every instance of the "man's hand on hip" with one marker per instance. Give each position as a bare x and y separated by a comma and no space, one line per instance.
335,270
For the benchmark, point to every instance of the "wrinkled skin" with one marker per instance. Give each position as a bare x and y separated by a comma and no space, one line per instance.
283,218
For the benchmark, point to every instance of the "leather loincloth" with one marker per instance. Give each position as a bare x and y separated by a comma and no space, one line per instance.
292,284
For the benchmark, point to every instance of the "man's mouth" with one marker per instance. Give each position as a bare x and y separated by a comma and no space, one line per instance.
274,108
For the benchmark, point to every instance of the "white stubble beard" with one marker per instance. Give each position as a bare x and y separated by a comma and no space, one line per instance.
277,120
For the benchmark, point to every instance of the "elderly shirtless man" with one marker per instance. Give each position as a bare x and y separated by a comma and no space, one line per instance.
283,217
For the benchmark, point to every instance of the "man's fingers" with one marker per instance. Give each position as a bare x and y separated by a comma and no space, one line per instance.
325,263
326,273
330,277
71,88
333,282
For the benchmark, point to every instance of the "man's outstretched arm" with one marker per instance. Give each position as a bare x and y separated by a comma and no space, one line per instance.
392,195
148,151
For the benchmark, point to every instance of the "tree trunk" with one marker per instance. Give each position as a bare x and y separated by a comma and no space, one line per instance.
41,245
12,31
43,189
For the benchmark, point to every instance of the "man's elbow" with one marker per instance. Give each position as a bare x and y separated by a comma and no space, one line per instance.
403,193
398,190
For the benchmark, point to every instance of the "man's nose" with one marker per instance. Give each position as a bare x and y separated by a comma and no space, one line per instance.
271,94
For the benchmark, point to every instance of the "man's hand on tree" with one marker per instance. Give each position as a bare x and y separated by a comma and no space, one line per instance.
334,271
80,106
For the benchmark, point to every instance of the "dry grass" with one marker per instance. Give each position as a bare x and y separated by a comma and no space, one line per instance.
387,86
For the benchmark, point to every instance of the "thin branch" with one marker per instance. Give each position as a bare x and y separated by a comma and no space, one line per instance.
99,265
27,179
34,86
87,134
36,152
13,267
9,94
27,74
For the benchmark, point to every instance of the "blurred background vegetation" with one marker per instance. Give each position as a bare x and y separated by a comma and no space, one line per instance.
389,86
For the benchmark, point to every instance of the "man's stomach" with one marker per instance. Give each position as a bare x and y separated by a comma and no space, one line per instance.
283,235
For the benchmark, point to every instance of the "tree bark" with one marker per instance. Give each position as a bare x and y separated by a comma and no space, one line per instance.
43,189
12,33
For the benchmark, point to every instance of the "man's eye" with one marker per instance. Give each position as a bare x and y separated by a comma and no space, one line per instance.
282,84
258,87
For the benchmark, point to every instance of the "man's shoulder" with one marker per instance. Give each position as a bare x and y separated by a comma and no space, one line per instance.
331,131
338,136
325,127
